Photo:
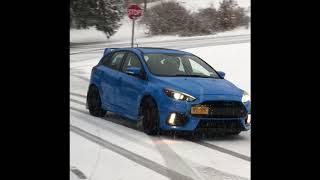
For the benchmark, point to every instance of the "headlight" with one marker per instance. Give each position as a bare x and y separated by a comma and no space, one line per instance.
245,97
178,95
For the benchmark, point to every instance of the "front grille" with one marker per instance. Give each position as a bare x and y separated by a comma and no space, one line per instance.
224,109
220,125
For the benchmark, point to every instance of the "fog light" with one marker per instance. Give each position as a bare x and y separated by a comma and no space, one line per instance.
249,119
176,119
172,118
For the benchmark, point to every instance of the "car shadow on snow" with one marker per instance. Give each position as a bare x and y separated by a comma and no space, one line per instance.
208,135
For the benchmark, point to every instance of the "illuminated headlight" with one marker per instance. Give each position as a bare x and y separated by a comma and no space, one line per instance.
245,97
177,95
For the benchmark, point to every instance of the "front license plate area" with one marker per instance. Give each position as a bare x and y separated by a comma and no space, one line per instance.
200,110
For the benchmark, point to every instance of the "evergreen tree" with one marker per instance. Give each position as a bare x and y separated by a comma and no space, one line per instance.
226,14
109,14
105,15
241,18
208,19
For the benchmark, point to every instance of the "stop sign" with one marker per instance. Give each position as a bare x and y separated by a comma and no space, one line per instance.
134,11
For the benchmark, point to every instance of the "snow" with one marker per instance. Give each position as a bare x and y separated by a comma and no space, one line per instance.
235,143
123,35
177,154
124,32
233,59
98,163
182,156
101,163
194,6
86,35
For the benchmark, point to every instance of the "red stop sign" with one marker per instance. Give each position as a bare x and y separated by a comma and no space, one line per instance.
134,11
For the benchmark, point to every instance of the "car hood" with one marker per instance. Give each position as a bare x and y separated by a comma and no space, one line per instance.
205,86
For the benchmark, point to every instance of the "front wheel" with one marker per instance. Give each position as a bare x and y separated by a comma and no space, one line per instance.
94,102
150,118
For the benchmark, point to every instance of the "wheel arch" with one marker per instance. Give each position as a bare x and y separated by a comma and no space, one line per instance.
145,97
92,84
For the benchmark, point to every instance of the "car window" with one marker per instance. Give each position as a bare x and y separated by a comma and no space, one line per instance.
197,68
115,61
131,61
178,65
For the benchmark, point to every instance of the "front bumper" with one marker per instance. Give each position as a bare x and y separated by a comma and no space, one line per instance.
169,105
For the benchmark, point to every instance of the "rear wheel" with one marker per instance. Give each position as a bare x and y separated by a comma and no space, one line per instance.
150,120
94,102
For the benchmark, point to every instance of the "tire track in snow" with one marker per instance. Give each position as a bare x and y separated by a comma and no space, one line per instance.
79,95
81,77
223,150
112,130
174,46
99,44
78,173
177,44
172,159
131,156
76,101
202,143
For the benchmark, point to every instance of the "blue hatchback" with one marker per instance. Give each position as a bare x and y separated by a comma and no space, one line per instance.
167,90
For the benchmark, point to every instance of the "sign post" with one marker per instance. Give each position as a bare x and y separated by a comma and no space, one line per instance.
134,11
132,35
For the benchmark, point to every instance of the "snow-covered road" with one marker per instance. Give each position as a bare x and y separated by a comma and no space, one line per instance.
113,148
179,43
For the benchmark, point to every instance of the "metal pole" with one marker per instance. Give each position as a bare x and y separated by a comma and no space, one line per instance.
132,36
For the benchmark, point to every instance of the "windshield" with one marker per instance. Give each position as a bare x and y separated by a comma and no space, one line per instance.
178,65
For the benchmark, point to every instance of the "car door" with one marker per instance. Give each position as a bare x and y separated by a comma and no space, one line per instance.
131,87
110,84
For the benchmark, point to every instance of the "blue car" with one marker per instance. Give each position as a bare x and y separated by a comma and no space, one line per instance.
168,90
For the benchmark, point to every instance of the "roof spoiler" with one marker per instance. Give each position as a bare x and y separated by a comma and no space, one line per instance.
108,50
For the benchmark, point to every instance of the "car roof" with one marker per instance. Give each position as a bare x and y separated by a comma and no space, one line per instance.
151,50
147,50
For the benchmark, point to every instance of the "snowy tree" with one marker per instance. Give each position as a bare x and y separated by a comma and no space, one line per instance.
208,19
226,15
109,14
105,15
241,19
167,18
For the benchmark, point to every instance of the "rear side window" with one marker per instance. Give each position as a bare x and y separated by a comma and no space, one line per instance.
115,61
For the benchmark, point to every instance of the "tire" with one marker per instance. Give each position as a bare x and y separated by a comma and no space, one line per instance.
150,120
94,102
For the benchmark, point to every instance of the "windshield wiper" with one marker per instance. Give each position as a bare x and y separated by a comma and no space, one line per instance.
193,75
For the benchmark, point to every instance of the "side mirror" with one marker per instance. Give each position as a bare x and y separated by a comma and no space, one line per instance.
134,71
222,74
